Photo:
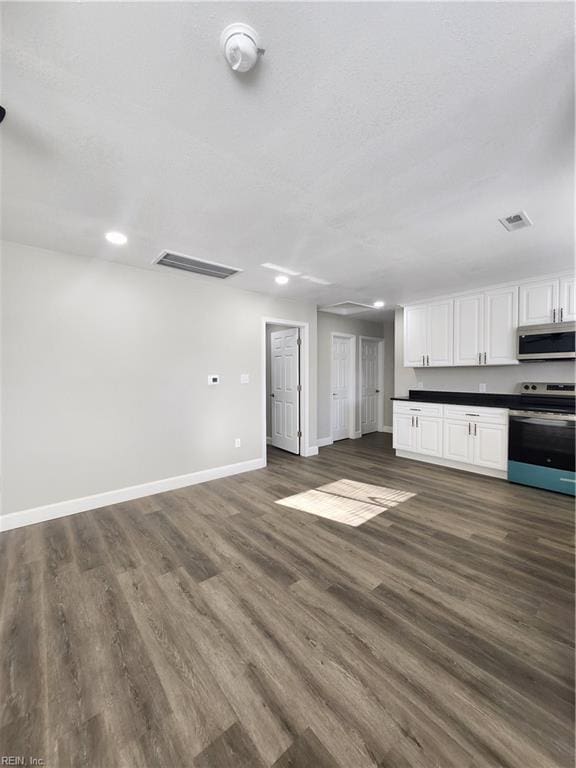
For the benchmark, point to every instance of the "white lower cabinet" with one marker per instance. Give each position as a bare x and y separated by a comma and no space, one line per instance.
457,445
418,428
455,434
491,445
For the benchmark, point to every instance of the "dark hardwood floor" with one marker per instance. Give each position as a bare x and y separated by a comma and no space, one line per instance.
210,627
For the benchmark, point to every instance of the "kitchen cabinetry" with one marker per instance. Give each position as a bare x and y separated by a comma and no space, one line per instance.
548,301
428,334
418,428
485,328
466,437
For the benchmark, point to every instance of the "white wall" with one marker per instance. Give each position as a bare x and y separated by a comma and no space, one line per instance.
328,324
498,378
105,375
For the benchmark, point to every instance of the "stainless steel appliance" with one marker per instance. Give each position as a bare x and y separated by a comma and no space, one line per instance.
553,341
541,438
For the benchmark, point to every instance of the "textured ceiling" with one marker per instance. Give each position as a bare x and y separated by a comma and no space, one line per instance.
375,145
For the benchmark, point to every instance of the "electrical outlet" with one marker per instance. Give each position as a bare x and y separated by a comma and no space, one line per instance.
244,378
237,443
420,385
481,387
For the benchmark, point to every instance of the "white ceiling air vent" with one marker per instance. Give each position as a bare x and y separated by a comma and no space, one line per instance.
198,267
516,221
347,308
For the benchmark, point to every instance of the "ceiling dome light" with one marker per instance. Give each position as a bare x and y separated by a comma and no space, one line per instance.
282,279
240,46
116,238
378,304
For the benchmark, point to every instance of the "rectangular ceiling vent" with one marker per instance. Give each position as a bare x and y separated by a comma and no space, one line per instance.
198,267
516,221
347,308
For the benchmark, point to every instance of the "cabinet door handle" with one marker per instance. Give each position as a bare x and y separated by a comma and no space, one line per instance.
561,314
423,360
475,429
553,315
484,358
479,358
427,359
412,420
417,421
469,430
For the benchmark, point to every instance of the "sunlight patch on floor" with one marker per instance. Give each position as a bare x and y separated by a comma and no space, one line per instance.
346,501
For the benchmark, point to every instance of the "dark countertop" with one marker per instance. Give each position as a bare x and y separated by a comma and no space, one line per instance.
550,403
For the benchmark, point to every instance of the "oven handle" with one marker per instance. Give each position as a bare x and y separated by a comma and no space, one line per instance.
543,417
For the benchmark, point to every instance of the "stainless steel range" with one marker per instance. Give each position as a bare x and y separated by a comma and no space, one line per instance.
541,441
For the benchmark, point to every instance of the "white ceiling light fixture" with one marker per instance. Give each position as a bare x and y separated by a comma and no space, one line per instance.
116,238
378,304
278,268
317,280
282,279
240,45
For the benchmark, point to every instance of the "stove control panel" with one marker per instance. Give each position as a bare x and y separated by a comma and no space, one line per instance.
542,388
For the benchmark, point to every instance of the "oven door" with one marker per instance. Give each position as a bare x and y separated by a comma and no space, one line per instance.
542,439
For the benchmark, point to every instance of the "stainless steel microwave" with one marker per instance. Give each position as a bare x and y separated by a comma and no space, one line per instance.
553,341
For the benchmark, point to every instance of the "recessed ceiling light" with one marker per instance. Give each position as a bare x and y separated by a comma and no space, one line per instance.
378,304
278,268
282,279
116,238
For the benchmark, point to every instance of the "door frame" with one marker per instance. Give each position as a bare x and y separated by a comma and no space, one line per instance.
352,434
380,414
306,449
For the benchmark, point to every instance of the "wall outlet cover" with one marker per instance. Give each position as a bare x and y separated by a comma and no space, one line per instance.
237,443
244,378
481,387
420,385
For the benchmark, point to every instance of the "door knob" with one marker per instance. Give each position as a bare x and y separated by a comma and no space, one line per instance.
377,391
271,394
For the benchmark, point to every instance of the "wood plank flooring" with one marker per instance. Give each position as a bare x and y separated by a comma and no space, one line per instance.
210,627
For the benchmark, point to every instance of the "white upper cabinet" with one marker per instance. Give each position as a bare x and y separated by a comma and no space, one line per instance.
428,334
500,323
539,302
468,329
415,335
480,328
440,333
567,299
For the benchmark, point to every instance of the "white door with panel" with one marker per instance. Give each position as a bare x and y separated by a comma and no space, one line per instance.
440,333
285,385
457,445
469,330
567,300
415,336
370,395
500,323
490,445
341,387
539,302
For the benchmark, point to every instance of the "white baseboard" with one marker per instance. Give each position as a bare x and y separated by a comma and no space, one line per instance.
356,435
73,506
385,429
311,451
501,474
268,440
322,442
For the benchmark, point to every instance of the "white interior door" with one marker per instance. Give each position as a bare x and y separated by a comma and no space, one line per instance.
370,392
285,394
341,387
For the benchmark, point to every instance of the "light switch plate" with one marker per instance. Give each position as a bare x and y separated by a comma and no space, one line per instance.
213,378
244,378
237,443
